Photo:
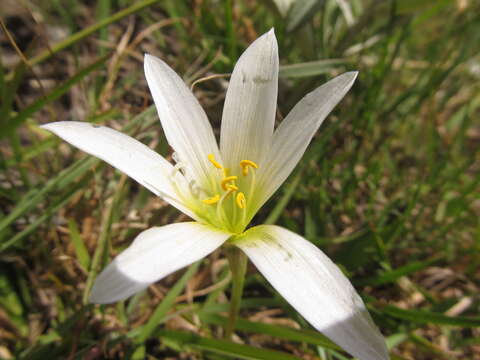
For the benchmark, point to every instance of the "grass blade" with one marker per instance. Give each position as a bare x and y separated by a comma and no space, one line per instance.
311,68
80,249
283,332
427,317
55,94
222,347
75,38
167,303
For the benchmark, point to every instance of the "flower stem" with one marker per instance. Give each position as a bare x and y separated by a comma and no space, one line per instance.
238,266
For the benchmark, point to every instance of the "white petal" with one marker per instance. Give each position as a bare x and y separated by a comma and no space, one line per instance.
183,120
126,154
154,254
295,132
249,111
315,287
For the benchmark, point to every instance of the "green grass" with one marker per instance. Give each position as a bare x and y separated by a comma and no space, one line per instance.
389,187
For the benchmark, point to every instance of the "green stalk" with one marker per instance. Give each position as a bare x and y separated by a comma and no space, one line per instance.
238,266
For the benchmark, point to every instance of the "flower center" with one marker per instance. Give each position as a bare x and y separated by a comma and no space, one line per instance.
226,200
232,212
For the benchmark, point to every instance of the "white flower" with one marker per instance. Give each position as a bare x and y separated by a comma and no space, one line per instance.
222,189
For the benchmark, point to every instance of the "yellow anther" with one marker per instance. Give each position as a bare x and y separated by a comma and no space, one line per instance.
232,187
212,200
226,172
241,201
215,163
226,180
244,164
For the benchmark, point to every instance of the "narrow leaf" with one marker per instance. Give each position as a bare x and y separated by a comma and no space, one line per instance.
75,38
80,249
167,303
223,347
54,94
427,317
311,337
311,68
391,276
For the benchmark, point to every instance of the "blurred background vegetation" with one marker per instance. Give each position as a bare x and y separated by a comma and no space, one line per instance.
389,187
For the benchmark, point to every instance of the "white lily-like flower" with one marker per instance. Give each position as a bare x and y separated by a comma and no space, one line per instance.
223,188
